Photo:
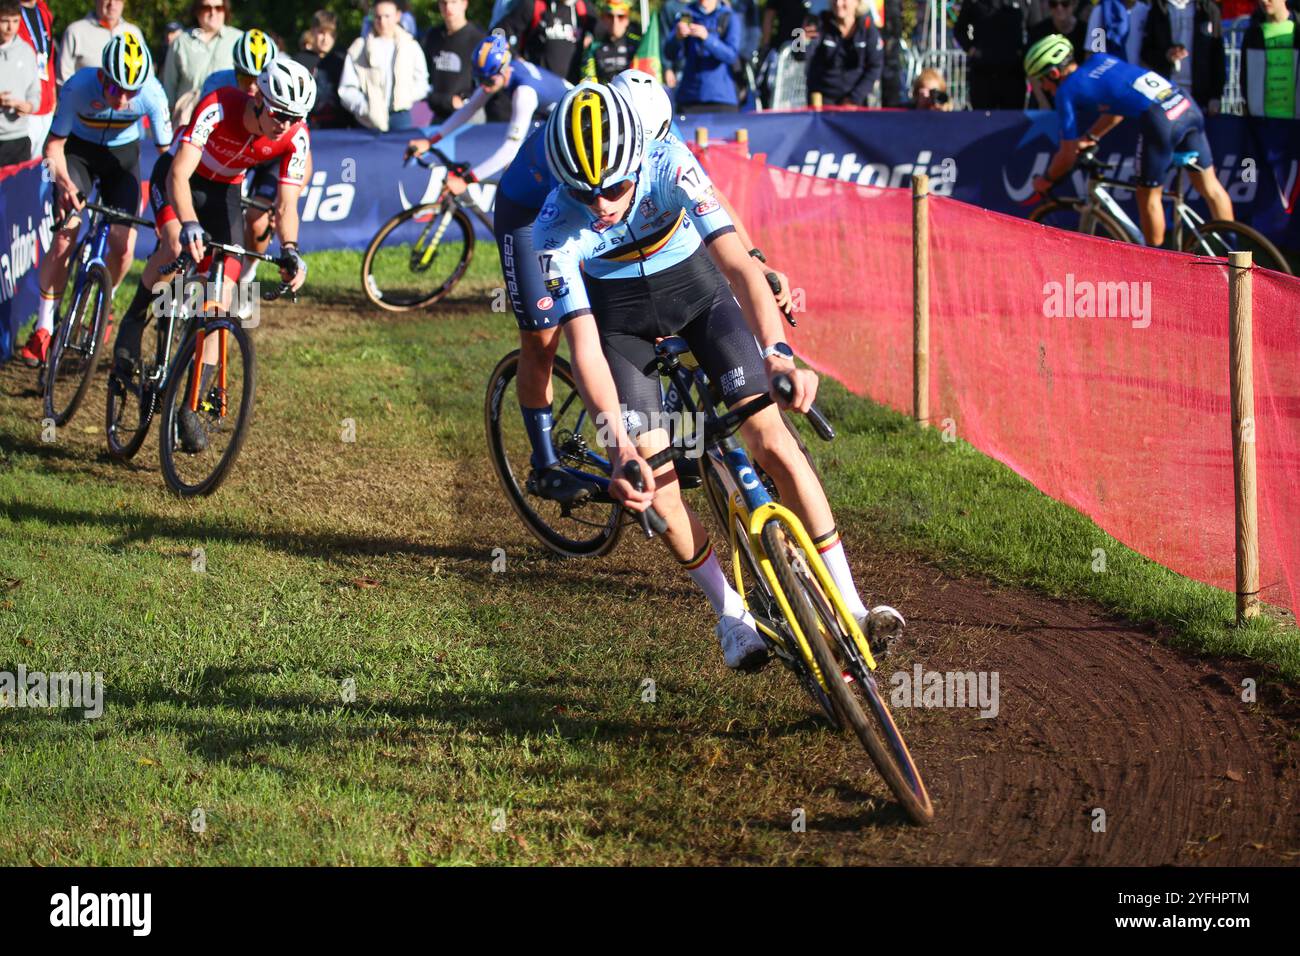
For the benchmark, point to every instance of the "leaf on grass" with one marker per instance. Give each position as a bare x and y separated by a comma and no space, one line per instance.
1235,776
25,642
90,429
146,762
10,583
365,583
523,844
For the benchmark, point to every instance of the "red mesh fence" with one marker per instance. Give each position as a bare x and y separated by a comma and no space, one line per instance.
1097,371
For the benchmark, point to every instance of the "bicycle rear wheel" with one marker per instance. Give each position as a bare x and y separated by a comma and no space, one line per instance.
1068,214
585,530
837,662
222,398
1218,237
417,257
75,349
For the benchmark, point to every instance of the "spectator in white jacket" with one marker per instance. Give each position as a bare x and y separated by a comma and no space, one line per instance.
384,74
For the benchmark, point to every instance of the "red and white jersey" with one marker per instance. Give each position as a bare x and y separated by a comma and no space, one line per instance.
229,149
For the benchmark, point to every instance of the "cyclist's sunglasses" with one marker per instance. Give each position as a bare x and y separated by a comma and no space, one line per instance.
112,91
283,117
613,193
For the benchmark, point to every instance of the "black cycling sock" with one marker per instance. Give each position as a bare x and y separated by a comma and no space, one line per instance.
131,328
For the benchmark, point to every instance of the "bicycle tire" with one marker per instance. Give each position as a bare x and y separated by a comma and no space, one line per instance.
915,804
369,284
1110,229
177,381
96,290
555,541
146,398
1266,254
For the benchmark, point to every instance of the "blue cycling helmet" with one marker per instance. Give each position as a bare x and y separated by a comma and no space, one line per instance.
491,57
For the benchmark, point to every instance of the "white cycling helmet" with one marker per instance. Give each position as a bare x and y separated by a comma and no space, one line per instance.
593,137
287,86
650,100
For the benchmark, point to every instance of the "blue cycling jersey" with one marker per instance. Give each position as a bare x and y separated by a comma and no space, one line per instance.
218,80
550,89
673,211
83,113
528,180
1109,85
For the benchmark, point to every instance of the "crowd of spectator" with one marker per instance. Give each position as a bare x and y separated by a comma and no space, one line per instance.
1182,40
717,55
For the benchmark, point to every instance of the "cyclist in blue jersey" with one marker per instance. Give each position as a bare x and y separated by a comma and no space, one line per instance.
634,245
1168,122
520,196
95,138
253,51
532,91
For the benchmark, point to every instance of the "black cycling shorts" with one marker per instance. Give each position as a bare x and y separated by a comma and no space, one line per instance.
1159,138
216,204
115,168
690,299
264,180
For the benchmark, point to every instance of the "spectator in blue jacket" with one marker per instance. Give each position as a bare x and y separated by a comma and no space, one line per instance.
707,35
845,63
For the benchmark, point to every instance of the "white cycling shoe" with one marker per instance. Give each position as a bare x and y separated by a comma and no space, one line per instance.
742,648
882,625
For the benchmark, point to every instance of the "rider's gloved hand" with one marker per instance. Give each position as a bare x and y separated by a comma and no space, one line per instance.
296,275
621,489
192,239
417,147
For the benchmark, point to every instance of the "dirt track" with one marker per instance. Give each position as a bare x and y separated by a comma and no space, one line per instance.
1093,713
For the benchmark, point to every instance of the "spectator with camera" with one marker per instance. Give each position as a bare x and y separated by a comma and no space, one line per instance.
930,92
845,63
707,36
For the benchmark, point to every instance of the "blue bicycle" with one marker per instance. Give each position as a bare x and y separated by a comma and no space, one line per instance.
79,333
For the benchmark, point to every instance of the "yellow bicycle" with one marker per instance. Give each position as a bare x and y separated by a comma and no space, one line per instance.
786,585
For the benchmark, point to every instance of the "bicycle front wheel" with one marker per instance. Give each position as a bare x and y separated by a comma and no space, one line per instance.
1068,214
1219,237
585,530
207,407
847,684
75,349
417,257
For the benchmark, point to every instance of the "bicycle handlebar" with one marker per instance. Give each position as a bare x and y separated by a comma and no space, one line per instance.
185,261
715,430
111,213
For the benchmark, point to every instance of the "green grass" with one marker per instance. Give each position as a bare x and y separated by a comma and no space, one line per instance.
476,691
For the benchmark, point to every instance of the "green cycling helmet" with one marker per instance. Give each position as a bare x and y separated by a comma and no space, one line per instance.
1052,50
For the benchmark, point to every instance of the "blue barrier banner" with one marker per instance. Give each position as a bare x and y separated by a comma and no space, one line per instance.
990,159
987,159
26,215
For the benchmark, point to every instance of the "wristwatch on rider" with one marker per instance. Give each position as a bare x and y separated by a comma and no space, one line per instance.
778,348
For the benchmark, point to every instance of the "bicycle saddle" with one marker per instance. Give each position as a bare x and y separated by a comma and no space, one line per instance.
672,345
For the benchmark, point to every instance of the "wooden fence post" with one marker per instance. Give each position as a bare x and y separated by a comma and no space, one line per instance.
702,137
742,139
921,299
1241,375
815,100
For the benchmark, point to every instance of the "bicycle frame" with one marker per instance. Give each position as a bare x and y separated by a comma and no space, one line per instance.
750,506
1184,215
